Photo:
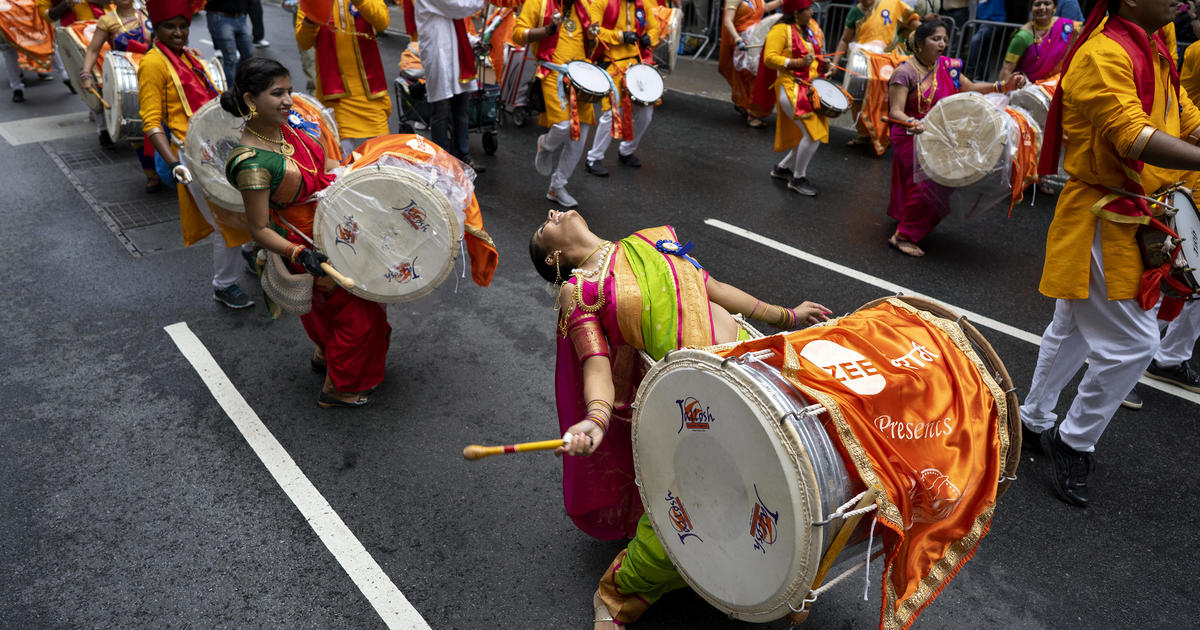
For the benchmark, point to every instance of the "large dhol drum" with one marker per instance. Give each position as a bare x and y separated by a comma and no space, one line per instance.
72,42
965,139
670,26
834,100
1157,247
591,82
858,73
1033,99
644,83
393,225
213,133
123,116
740,473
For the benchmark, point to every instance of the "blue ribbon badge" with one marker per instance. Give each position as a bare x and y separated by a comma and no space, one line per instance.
673,248
297,122
640,16
887,17
1067,30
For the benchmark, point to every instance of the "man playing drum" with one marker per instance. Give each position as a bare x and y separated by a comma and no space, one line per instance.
625,30
1122,108
791,52
555,30
609,310
172,84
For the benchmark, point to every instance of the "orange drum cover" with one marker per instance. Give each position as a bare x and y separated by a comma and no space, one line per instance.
24,29
83,31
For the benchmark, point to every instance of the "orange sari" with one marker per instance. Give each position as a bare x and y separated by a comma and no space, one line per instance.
741,82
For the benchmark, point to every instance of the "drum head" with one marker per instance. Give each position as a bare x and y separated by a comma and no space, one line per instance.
830,94
67,41
1187,226
588,77
964,140
212,135
644,83
731,489
389,229
1033,99
995,368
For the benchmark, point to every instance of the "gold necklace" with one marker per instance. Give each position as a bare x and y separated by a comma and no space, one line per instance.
307,152
284,147
605,259
589,274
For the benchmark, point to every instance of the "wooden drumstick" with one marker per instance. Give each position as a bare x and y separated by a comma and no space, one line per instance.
102,101
902,123
476,451
347,283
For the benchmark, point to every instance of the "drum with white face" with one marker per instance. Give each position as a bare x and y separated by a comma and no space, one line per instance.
123,116
390,229
966,137
71,42
591,82
722,447
644,83
834,100
212,135
1033,99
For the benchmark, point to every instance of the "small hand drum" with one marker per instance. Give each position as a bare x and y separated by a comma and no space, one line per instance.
591,81
644,83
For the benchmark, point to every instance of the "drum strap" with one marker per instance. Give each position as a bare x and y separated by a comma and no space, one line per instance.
278,217
843,535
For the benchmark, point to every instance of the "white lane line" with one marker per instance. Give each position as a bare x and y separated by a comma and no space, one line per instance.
892,287
388,601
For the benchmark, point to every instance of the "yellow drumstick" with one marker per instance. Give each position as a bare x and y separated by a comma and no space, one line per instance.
476,451
101,98
347,283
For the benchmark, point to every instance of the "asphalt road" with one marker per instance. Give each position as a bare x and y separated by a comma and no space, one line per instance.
128,498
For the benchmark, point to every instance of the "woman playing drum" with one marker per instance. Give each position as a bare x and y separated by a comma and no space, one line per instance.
172,84
278,166
792,50
611,305
916,86
739,17
125,28
1038,48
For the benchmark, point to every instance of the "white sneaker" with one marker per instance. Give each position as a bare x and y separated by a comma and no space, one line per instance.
561,196
543,162
262,43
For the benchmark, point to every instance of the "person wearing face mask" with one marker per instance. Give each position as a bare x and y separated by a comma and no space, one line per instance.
915,87
1129,127
172,84
278,166
609,308
790,61
125,28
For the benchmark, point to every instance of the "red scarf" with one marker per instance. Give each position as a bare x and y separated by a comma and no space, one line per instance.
195,88
612,11
70,17
547,45
466,54
328,68
764,81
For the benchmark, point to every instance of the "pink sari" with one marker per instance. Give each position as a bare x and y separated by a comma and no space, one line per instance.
1043,59
919,206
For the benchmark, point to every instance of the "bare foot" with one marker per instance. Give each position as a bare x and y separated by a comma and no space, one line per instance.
906,247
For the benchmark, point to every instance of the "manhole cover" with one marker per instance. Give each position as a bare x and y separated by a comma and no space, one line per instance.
134,214
77,160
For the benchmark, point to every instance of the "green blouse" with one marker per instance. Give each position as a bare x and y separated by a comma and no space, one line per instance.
251,168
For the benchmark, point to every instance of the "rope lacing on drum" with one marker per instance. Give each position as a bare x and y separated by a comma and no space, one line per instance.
742,359
844,512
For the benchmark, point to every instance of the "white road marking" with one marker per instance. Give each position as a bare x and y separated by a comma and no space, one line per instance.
388,601
892,287
46,128
205,41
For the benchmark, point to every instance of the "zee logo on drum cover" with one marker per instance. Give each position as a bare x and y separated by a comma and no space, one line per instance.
849,367
680,521
694,415
763,524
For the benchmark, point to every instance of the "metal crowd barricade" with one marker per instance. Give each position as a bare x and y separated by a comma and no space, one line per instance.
982,46
831,16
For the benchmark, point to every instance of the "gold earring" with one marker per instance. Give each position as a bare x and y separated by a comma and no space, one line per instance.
253,111
557,268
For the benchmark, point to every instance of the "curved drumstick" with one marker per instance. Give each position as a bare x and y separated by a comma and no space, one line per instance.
101,98
476,451
347,283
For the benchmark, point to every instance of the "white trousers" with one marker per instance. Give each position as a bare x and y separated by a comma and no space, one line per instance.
558,136
1117,339
642,115
797,158
13,66
227,261
1179,341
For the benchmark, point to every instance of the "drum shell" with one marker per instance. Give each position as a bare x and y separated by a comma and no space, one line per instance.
1033,99
644,83
804,453
827,108
584,93
72,42
123,116
858,73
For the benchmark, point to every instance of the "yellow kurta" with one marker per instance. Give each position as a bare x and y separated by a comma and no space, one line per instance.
569,48
621,55
359,114
776,52
1102,122
880,24
159,102
81,10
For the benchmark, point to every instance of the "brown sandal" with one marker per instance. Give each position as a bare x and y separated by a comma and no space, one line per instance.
906,247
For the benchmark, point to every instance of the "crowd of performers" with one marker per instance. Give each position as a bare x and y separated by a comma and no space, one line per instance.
1119,101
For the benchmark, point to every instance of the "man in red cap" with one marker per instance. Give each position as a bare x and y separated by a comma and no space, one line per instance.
1126,121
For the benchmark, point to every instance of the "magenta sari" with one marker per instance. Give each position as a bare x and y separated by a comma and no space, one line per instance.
919,206
1042,60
